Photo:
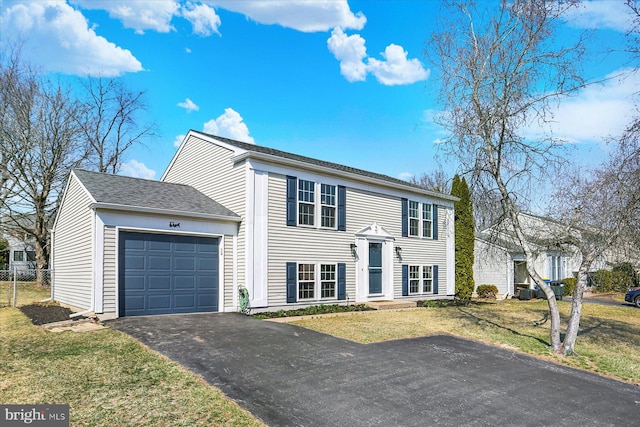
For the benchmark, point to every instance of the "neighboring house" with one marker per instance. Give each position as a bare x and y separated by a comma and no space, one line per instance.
500,261
21,252
292,230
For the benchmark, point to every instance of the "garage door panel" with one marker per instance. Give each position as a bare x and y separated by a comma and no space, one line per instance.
159,282
185,282
160,263
134,262
162,274
207,300
159,301
135,283
158,245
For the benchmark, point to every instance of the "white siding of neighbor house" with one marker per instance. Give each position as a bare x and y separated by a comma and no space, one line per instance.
491,266
363,208
110,269
72,257
209,169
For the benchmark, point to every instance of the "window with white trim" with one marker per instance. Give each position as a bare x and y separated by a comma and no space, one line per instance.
420,219
18,255
420,279
31,256
556,267
427,279
312,286
427,220
328,206
306,202
414,218
328,283
306,281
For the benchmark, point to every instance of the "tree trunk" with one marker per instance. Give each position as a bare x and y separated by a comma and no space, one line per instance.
568,346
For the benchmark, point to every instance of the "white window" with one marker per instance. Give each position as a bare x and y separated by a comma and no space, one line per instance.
306,202
31,256
328,281
414,279
328,206
312,285
427,222
414,218
420,279
18,255
427,279
556,267
420,219
306,281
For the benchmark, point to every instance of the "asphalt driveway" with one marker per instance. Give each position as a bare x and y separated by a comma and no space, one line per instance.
290,376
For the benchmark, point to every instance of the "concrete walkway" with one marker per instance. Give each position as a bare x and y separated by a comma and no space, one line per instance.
291,376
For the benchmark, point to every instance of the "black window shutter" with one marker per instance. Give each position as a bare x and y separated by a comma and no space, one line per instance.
291,282
342,281
405,217
405,280
434,209
291,200
342,208
435,279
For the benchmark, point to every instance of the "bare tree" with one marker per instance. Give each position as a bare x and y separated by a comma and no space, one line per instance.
437,180
501,69
110,122
41,141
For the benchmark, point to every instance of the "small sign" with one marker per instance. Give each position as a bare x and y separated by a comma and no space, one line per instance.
35,415
174,224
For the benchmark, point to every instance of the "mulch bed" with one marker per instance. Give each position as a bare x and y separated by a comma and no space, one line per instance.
41,314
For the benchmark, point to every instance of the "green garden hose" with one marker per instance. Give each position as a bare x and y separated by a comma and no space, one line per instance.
243,300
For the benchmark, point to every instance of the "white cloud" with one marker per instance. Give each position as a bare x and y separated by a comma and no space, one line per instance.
229,125
187,50
596,113
178,141
406,176
58,38
203,19
137,169
350,51
396,69
603,14
143,15
302,15
188,105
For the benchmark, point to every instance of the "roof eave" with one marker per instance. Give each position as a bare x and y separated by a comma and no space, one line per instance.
167,212
305,165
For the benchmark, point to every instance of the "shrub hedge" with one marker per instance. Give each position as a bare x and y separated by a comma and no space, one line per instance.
487,291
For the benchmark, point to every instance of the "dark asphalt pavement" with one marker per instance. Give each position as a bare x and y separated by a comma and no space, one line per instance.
290,376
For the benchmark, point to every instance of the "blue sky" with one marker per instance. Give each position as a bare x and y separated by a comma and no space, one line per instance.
342,81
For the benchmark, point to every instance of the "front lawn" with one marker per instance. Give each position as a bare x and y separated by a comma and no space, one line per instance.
608,343
107,378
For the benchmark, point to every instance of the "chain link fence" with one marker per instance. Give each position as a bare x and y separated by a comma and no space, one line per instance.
24,286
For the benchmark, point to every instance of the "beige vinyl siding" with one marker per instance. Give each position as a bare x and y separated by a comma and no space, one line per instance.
72,262
490,266
228,271
302,244
208,168
109,269
419,251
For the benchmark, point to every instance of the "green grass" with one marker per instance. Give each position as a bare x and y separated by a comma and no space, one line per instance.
608,343
28,292
107,378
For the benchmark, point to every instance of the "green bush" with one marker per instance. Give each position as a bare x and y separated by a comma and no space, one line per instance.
569,285
618,280
487,291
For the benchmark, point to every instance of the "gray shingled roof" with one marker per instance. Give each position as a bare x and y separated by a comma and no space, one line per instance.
148,194
312,161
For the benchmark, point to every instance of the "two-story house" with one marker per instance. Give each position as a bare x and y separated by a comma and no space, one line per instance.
292,230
